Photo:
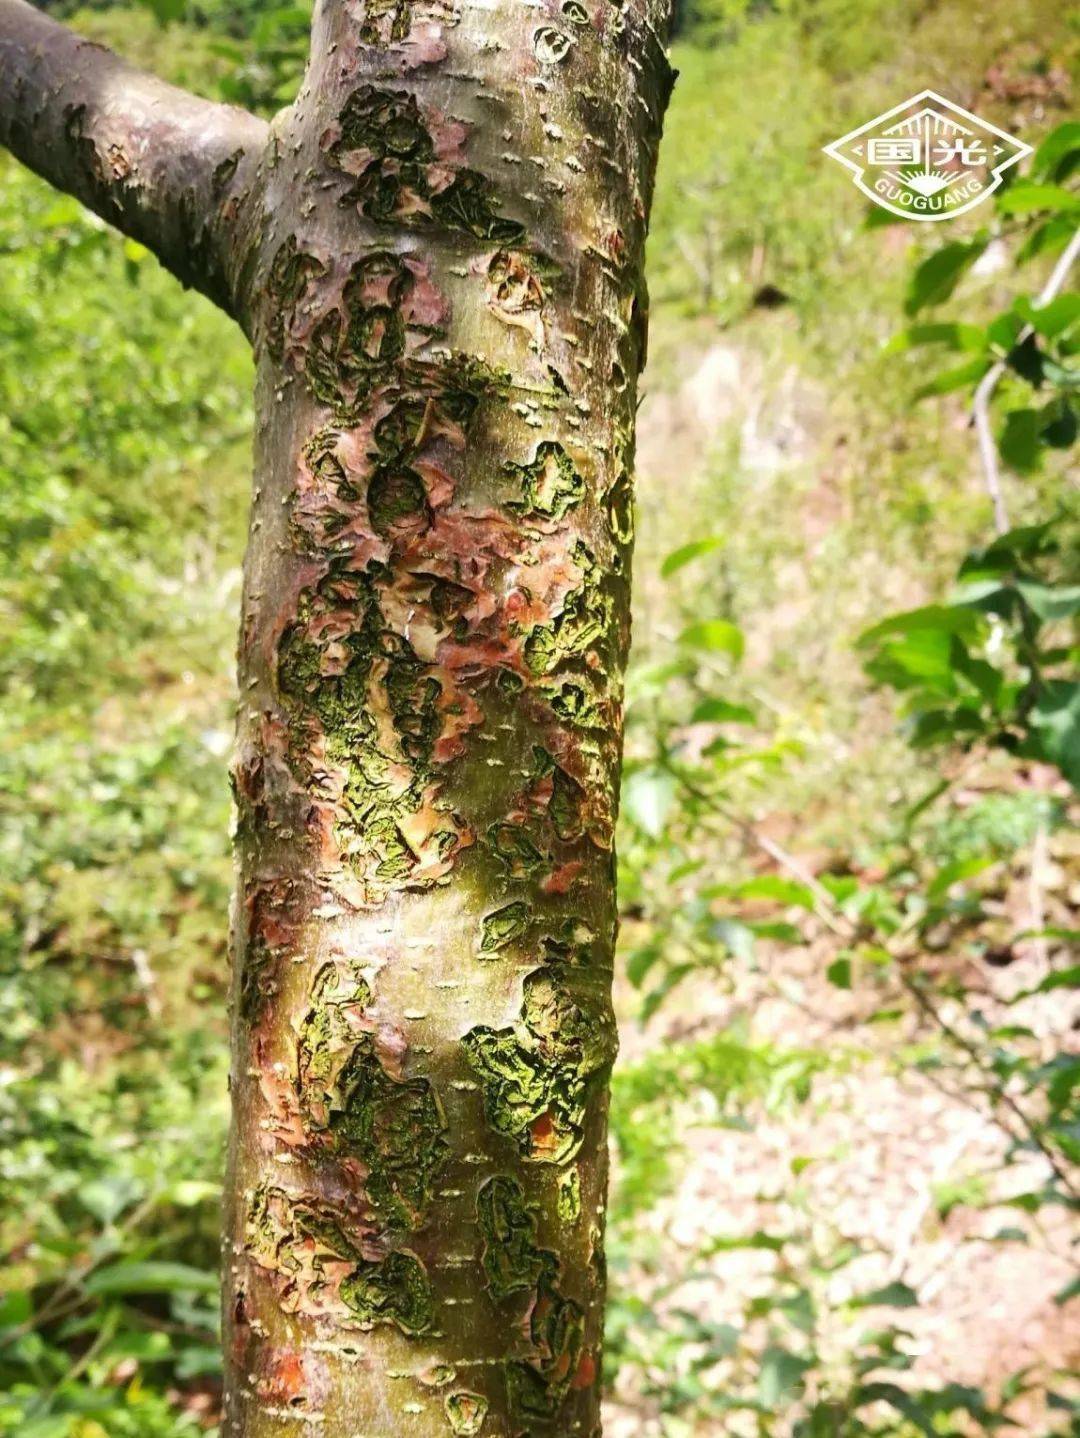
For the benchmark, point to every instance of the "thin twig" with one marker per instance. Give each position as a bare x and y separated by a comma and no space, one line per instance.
827,913
980,405
67,1296
1040,859
844,928
993,1087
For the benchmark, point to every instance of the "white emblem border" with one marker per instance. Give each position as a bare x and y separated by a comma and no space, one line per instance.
859,171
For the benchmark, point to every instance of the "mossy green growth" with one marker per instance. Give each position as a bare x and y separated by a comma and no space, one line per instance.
619,505
275,1219
401,181
557,1329
582,624
396,1289
397,501
513,846
465,1412
306,1240
503,926
396,1127
569,1199
385,778
510,1258
256,977
325,1032
571,944
356,347
469,203
385,22
413,693
550,485
536,1076
567,799
291,270
514,1263
573,704
385,123
566,805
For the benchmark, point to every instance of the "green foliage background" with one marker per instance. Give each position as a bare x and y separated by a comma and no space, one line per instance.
124,473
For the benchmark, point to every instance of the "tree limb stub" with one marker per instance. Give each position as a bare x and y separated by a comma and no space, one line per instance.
167,168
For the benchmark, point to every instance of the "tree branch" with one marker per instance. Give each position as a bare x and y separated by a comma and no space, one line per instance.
984,393
169,169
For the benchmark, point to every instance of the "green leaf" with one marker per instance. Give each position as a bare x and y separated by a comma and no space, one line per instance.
771,886
199,1361
15,1308
655,678
937,277
1060,145
165,10
717,635
842,887
780,1374
655,997
1009,1235
648,798
1027,541
1059,375
1061,979
1019,440
188,1193
949,333
107,1197
954,379
1054,317
640,960
916,661
1050,601
759,1241
49,1428
721,711
940,618
892,1295
839,973
737,937
686,553
1047,238
1026,198
150,1277
1058,424
1027,360
778,929
1055,720
1004,330
957,871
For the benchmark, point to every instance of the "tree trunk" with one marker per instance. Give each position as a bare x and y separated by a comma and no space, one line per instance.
439,259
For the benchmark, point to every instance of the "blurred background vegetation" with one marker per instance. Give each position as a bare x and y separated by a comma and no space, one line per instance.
845,1121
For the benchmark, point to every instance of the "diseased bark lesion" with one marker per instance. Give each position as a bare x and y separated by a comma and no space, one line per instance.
167,168
437,252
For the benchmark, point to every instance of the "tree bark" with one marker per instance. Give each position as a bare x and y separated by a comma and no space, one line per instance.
439,259
167,168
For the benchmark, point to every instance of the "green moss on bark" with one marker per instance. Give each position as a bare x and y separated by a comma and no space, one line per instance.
536,1076
550,485
395,1127
394,1290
